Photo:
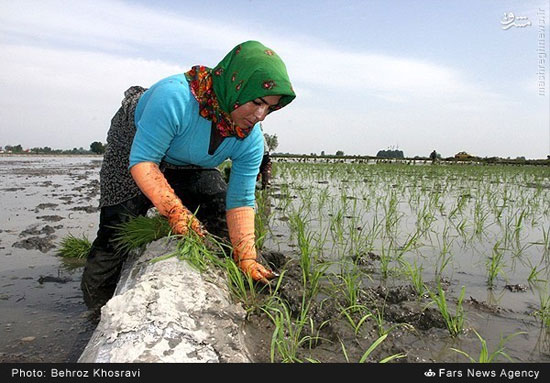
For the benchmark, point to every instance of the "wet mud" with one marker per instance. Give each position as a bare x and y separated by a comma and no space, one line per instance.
415,328
44,198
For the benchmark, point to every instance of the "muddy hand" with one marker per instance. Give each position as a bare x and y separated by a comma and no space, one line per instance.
181,220
256,270
154,185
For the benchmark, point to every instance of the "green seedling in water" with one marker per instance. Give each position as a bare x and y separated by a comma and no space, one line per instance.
543,313
371,348
454,323
73,247
494,265
415,274
484,355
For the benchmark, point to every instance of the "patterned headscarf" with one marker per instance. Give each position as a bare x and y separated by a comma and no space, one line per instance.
249,71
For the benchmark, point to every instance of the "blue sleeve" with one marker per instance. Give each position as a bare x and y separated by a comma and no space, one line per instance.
244,170
159,122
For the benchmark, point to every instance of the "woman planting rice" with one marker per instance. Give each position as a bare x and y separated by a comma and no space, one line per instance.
162,149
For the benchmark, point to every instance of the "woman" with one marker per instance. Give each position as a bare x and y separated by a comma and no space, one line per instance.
163,148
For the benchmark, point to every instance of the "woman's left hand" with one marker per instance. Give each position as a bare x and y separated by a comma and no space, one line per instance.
257,271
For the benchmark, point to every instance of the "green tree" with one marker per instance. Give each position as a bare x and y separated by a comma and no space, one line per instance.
97,147
339,153
14,149
272,141
390,154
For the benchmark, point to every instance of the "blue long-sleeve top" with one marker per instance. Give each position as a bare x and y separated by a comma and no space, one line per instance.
169,128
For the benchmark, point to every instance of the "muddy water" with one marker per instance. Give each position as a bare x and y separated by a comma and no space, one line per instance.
494,313
44,198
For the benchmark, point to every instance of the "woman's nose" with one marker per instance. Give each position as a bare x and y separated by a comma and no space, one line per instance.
261,112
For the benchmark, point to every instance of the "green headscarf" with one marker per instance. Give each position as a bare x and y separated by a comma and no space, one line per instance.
249,71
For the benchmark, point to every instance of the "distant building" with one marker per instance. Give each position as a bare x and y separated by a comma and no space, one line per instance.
463,156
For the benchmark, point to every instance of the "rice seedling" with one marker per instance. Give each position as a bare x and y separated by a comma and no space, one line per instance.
242,287
462,227
543,312
351,285
415,274
480,218
535,274
545,243
261,220
494,265
369,351
73,247
140,231
444,256
424,219
454,323
519,224
312,271
356,316
337,231
197,251
488,357
289,334
377,314
385,260
392,214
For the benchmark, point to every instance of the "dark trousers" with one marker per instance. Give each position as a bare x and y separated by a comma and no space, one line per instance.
201,190
265,171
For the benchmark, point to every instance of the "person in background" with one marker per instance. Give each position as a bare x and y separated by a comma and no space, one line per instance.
163,147
265,167
433,156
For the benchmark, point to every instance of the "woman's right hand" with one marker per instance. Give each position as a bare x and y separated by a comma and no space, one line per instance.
154,185
181,220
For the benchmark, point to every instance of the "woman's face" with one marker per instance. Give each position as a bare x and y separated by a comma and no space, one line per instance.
247,115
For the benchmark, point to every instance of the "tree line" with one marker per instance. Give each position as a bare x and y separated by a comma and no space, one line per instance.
96,147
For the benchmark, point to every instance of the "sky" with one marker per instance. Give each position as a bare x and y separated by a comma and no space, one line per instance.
444,75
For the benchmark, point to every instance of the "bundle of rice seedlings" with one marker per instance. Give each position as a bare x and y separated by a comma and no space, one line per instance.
73,247
140,231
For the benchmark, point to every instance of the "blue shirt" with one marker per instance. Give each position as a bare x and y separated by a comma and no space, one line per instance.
169,128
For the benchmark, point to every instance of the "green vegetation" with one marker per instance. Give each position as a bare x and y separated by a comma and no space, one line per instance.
454,323
73,247
484,355
139,231
96,147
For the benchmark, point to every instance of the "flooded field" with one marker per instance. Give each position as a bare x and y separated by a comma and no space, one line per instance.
405,263
44,198
435,259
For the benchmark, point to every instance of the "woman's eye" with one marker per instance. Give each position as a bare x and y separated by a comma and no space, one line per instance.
257,102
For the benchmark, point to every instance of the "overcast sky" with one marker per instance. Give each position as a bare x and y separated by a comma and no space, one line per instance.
449,75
